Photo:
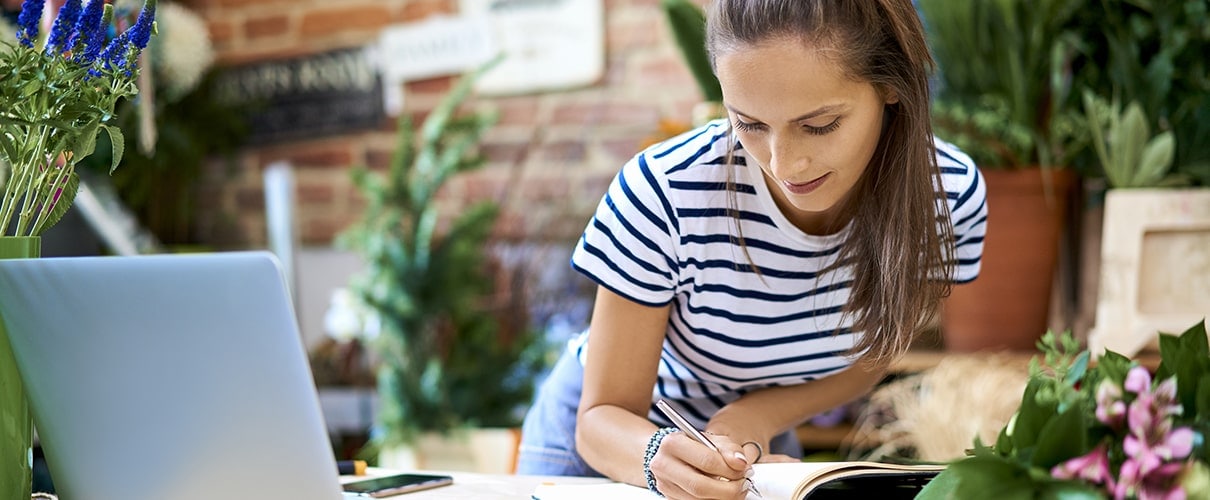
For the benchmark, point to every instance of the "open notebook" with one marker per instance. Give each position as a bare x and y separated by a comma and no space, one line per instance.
784,481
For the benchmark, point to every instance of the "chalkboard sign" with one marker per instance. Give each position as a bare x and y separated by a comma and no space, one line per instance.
305,97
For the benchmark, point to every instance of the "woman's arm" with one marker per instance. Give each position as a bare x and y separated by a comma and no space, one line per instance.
760,415
624,343
612,429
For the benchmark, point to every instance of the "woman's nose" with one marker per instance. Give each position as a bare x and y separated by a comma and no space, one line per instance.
786,158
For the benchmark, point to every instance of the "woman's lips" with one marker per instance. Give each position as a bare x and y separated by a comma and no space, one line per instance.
805,187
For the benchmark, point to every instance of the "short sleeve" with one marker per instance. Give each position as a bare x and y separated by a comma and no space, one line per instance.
966,194
628,246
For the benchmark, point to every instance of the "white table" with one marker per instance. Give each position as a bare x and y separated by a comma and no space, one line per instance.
479,486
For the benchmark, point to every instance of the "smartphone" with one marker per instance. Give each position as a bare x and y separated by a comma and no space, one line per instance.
385,486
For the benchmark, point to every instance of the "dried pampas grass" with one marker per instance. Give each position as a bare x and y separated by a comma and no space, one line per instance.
936,414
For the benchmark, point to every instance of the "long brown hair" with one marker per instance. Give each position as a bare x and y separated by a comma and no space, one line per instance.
902,246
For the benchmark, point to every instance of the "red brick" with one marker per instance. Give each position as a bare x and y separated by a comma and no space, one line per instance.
262,27
517,110
507,153
420,9
321,230
665,73
564,152
641,115
222,32
331,154
336,20
315,194
438,85
577,113
540,190
249,198
624,35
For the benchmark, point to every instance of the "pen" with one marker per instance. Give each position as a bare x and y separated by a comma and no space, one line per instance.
687,428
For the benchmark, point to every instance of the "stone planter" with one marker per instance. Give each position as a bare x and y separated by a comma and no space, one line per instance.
1155,267
489,451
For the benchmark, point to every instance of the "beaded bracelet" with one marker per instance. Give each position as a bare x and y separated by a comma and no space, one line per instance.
653,445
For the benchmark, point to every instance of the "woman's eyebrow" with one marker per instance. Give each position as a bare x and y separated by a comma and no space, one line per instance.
823,110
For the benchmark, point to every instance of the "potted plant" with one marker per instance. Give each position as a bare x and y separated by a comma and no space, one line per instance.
446,362
1002,96
1142,199
1151,55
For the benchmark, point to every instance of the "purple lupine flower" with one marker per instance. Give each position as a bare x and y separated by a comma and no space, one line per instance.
63,34
27,22
90,32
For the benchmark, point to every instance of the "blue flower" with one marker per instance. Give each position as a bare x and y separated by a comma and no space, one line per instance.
64,33
90,33
141,31
125,48
27,22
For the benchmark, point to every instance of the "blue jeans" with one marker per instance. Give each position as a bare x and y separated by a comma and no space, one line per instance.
548,434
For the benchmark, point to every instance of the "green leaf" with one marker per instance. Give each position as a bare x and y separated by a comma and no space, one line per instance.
1156,159
941,487
977,476
1069,490
61,206
1114,366
1064,436
688,24
119,146
1032,416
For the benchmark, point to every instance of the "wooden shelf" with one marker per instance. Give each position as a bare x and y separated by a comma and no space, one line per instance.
823,438
917,360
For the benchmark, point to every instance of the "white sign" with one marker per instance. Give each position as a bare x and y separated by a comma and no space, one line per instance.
435,47
548,44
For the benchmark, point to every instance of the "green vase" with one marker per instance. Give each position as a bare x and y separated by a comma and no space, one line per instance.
16,426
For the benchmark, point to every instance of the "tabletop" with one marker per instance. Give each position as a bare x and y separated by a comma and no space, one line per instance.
479,486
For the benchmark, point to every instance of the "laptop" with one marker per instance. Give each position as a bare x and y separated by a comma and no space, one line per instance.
168,377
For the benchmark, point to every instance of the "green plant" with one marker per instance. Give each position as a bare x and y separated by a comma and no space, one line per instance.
158,186
445,361
1153,53
57,95
1130,156
191,125
1107,429
1004,79
688,24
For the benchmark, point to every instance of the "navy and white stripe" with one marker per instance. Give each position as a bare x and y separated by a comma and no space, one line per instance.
663,234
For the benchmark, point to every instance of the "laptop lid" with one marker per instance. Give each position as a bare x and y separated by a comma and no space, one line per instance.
167,377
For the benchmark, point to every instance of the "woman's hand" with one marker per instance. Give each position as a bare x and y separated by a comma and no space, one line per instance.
686,469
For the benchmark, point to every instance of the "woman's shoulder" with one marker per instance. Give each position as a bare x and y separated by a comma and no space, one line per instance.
953,161
706,144
960,177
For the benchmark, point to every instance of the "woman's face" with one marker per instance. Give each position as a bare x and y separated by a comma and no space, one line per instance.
811,129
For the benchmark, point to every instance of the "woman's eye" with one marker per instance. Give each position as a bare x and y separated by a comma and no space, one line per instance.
743,126
826,129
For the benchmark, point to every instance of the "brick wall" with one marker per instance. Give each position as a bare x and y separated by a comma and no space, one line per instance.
551,155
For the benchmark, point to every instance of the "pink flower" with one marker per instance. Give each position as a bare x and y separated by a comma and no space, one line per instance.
1111,410
1155,452
1092,467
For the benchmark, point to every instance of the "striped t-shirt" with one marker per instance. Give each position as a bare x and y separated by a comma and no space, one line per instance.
664,233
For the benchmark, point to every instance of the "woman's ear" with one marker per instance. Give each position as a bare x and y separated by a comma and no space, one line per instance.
889,96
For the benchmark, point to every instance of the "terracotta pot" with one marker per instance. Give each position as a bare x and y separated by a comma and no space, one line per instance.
1007,307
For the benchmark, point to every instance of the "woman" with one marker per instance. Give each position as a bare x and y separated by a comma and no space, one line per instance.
763,269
